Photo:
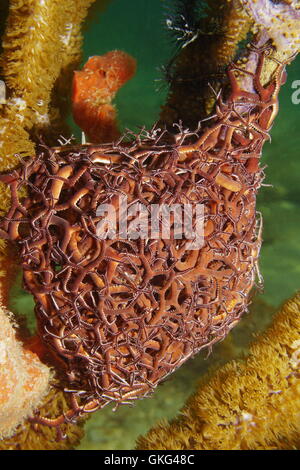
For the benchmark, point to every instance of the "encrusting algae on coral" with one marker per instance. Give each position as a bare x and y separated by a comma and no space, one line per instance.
247,404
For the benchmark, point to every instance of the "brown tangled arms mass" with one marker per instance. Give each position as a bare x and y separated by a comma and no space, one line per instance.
120,315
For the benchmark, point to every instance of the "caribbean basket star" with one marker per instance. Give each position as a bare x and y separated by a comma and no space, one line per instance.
119,314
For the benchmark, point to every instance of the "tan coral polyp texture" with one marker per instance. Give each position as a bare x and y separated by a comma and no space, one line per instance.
23,378
250,404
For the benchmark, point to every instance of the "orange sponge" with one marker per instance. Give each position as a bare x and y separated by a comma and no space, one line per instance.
94,88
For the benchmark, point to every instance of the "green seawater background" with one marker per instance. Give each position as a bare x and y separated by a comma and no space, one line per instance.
137,27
